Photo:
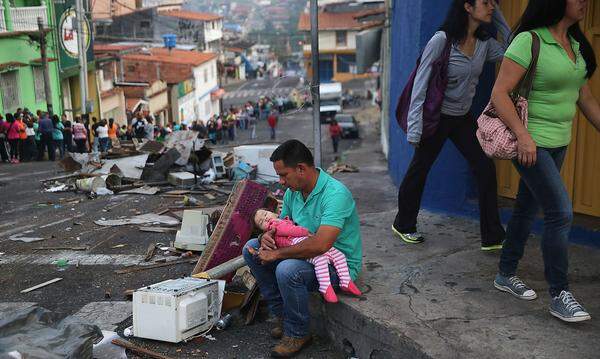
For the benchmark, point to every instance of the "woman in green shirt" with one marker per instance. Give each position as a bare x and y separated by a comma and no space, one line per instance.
566,63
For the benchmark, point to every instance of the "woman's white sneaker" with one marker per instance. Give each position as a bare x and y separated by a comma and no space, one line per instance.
514,286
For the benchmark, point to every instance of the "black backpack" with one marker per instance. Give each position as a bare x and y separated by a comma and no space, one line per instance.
139,129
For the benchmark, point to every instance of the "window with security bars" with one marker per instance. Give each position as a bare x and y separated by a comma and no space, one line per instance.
38,82
9,86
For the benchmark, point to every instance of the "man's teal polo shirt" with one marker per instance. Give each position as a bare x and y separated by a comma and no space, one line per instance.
329,204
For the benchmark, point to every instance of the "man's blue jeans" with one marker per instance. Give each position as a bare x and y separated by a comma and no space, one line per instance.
541,186
285,286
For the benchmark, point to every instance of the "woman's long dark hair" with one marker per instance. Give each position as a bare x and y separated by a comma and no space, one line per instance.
545,13
456,24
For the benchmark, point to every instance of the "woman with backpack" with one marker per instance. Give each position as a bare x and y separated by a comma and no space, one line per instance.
467,45
565,63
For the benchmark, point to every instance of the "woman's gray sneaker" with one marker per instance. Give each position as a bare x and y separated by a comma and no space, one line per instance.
565,307
514,286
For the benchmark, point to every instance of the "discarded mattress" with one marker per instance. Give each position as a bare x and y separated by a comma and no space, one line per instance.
235,225
36,333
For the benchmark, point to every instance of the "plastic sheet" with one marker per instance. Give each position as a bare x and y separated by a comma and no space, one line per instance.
36,333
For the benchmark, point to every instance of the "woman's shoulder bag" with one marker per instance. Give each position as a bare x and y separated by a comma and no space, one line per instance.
496,139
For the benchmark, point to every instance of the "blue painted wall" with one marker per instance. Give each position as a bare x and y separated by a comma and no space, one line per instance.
450,186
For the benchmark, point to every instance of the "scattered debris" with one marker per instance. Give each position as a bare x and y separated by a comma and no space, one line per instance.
19,237
152,266
150,252
194,231
105,349
222,269
103,191
141,219
59,188
148,190
130,167
119,246
182,178
158,171
183,142
152,147
41,285
191,201
341,167
69,164
138,350
64,248
158,229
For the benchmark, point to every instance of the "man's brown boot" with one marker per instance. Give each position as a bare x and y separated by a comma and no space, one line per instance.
288,347
277,331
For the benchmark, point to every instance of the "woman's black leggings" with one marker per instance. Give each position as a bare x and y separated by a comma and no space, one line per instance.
14,148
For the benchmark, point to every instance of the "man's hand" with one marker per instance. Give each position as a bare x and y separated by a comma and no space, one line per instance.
265,255
267,241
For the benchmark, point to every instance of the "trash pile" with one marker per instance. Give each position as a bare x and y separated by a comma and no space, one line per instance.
145,167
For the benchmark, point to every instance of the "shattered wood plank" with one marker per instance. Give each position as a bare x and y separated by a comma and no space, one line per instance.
138,350
178,192
185,207
64,248
158,229
41,285
158,265
72,175
150,252
209,196
218,190
179,196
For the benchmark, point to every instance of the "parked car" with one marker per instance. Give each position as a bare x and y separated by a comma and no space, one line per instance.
348,124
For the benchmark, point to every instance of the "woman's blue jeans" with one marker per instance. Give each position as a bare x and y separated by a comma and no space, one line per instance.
285,286
541,187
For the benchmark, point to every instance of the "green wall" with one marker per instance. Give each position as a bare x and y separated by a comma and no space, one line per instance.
21,49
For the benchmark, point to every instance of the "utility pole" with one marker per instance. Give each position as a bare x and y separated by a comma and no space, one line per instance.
314,87
385,79
83,82
47,90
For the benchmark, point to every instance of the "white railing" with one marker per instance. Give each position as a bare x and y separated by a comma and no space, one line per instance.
25,18
2,22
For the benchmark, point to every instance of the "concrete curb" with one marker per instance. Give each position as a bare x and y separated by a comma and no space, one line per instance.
360,336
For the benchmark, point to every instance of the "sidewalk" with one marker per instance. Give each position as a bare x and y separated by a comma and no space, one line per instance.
436,300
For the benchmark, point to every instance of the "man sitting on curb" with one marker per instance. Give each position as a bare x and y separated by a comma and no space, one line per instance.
325,207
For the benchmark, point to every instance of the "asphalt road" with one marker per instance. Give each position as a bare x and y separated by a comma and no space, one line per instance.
237,94
66,220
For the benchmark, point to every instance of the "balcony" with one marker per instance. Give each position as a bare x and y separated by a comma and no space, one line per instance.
25,18
213,34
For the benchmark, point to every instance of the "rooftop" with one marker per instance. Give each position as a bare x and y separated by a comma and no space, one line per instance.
174,56
113,47
191,15
337,21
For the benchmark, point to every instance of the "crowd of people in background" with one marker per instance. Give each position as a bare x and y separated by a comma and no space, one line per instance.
27,136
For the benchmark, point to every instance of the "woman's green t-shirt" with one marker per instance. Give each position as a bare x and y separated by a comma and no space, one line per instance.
553,98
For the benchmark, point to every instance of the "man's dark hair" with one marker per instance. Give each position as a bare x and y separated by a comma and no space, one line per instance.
292,153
